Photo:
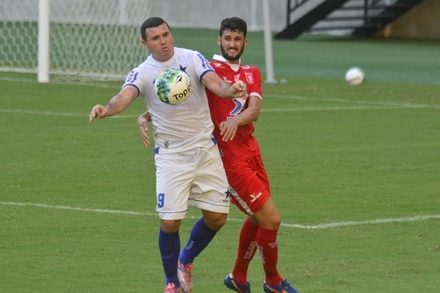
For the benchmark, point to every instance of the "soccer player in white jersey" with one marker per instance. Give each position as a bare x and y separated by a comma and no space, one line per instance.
189,170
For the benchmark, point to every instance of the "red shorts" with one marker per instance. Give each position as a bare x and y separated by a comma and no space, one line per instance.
249,184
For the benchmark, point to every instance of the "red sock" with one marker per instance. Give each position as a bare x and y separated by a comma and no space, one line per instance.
246,250
268,247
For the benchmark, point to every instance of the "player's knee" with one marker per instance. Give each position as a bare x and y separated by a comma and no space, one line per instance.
269,221
170,226
275,220
215,221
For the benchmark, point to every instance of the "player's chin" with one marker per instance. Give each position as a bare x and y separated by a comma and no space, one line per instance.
233,56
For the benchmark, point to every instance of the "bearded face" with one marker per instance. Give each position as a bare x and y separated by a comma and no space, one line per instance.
232,44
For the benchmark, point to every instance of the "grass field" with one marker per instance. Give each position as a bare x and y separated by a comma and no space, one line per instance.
355,173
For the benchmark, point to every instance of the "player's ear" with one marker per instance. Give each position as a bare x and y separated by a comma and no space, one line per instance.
245,42
219,40
144,43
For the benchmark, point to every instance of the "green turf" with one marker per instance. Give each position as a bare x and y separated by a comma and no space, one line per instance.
338,157
406,61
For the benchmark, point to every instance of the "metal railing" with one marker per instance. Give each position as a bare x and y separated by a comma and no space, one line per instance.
293,5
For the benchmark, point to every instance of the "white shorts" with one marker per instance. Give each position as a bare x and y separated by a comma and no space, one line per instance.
191,178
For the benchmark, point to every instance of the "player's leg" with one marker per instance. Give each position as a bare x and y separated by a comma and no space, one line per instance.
172,189
209,193
252,235
268,220
169,246
248,193
201,235
261,229
247,246
267,217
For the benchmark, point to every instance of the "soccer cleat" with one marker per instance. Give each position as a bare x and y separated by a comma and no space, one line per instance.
184,272
232,284
171,288
283,287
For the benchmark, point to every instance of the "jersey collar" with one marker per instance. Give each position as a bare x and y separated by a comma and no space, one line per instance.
222,59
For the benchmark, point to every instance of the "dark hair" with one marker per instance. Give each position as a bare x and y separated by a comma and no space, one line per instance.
234,24
149,23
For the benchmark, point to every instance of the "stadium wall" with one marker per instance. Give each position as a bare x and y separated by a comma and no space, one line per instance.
420,23
209,13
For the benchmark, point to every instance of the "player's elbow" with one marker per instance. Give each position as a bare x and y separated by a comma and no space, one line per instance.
255,114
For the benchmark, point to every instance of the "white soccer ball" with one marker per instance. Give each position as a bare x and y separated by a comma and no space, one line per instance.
173,86
355,76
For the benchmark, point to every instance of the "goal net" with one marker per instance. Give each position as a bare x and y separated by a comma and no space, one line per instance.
88,39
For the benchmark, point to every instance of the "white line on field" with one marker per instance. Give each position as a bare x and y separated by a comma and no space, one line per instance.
75,83
319,226
360,102
330,108
122,116
41,112
356,223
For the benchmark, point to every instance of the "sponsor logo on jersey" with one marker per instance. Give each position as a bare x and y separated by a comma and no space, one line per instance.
132,77
239,105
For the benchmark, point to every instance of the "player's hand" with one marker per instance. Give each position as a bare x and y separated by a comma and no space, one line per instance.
239,90
98,112
143,128
228,129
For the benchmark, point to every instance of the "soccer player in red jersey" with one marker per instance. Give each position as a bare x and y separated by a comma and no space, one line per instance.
241,155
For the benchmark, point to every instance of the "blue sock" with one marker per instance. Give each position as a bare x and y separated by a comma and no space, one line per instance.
169,246
199,238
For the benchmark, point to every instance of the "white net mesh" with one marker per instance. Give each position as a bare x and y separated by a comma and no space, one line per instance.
89,39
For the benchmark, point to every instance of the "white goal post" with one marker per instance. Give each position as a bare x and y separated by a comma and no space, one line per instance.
268,43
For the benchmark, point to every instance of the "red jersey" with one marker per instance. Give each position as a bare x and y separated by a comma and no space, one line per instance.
244,145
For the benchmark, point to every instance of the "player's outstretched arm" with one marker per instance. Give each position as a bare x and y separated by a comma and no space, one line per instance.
116,105
143,127
223,89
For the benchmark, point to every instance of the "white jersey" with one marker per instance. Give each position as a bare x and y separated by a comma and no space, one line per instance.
176,127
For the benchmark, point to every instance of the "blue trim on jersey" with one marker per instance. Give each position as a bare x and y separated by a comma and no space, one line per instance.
139,92
156,150
205,62
203,74
214,140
